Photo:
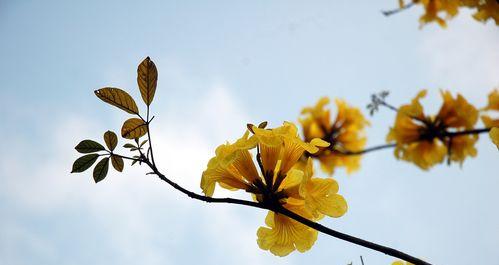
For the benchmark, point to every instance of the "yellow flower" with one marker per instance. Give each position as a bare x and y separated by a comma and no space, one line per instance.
424,140
433,9
346,134
494,136
485,9
279,181
493,105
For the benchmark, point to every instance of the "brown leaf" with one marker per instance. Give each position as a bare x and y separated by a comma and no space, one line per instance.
117,163
111,140
147,78
133,128
117,98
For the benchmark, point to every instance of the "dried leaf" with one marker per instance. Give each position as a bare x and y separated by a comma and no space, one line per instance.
100,170
89,146
147,78
133,128
117,98
83,163
117,163
111,140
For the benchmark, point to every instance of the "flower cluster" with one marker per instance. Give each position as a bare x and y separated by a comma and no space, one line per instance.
493,105
426,140
345,134
484,10
277,179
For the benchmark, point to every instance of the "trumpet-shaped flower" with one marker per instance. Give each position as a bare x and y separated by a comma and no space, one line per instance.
427,140
345,134
277,179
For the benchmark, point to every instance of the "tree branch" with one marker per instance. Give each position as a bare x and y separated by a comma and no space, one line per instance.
386,146
292,215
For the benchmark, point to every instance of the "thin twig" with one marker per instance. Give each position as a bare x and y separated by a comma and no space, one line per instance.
367,150
386,146
395,11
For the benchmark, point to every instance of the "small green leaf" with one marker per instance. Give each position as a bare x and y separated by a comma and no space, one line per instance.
83,163
117,163
111,140
143,143
129,146
135,161
100,170
89,146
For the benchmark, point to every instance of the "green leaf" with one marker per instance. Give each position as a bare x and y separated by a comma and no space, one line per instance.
89,146
143,143
133,128
111,140
117,163
100,170
129,146
147,79
135,161
83,163
117,98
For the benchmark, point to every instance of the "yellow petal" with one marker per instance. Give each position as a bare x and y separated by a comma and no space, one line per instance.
285,235
494,136
245,166
493,103
321,198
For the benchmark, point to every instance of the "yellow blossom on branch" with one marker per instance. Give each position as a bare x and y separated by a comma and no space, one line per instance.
345,134
279,181
493,105
442,10
426,140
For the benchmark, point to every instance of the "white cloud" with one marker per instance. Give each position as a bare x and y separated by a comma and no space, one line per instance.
133,211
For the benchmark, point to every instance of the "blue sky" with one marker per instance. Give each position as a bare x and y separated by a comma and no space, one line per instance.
221,65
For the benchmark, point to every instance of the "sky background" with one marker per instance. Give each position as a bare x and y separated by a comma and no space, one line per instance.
221,65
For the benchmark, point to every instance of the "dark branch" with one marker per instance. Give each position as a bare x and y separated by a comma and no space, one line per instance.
386,146
367,150
292,215
395,11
